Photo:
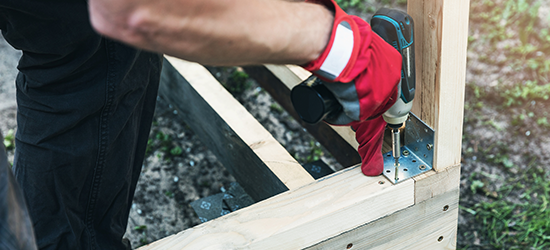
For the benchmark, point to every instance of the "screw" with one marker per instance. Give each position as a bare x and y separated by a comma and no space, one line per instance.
429,146
405,152
422,167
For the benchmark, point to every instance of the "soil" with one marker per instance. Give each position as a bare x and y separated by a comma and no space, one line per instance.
170,181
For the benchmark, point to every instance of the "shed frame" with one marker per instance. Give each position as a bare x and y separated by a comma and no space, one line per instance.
345,210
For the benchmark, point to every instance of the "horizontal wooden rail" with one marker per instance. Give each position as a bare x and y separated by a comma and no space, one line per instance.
250,153
300,218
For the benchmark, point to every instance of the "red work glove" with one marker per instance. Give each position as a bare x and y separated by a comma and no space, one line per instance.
363,72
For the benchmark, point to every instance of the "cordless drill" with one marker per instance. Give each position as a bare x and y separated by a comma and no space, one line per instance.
313,101
396,28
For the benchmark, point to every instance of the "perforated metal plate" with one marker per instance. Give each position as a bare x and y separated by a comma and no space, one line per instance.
416,155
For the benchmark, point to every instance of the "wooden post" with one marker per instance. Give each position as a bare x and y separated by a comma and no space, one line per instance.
441,32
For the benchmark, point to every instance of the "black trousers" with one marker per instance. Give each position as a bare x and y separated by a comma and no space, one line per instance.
84,110
15,225
79,154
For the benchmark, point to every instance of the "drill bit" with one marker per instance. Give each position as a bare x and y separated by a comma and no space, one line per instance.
396,147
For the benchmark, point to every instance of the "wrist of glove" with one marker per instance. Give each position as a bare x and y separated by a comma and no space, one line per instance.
363,72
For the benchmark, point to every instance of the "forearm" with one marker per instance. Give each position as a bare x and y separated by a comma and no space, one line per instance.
218,32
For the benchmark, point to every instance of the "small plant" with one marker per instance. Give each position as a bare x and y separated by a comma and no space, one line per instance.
238,82
169,194
142,229
276,108
346,4
9,140
528,91
316,152
176,151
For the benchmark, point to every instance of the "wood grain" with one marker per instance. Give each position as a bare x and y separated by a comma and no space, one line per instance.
299,218
249,152
430,224
431,183
441,35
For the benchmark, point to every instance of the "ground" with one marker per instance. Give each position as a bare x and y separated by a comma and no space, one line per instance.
505,182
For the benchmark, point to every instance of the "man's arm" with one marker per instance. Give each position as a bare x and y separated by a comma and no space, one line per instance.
218,32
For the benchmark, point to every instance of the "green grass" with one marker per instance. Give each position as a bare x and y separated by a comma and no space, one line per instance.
526,92
516,215
508,224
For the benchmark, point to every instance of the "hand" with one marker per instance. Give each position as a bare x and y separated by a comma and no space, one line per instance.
363,72
370,134
359,67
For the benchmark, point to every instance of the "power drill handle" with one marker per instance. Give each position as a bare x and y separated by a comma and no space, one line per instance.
397,28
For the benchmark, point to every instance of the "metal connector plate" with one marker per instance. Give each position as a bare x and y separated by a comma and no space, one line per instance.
416,155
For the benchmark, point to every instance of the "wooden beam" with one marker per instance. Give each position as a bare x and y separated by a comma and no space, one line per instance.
431,183
278,86
249,152
441,38
300,218
430,224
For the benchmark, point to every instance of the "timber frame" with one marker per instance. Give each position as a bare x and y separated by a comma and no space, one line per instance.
345,210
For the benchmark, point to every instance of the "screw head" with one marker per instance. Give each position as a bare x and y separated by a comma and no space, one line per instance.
405,152
429,146
422,167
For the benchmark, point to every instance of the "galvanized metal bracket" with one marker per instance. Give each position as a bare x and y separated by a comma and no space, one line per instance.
416,154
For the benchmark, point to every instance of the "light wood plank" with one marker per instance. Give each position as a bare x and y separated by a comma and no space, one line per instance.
258,162
299,218
427,225
431,183
441,33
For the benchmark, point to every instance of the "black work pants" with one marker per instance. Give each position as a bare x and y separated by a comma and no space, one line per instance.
15,225
79,152
84,110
